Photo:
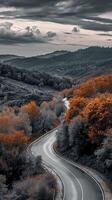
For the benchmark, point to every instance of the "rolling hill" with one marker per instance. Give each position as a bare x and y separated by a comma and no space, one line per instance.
84,63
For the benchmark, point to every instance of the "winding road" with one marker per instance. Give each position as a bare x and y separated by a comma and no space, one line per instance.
78,185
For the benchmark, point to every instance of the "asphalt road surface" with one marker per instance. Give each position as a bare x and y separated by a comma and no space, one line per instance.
78,185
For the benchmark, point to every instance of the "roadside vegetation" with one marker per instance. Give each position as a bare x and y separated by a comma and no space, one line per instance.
23,176
85,135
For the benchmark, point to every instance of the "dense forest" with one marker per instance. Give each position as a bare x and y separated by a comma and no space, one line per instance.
23,176
80,65
26,113
19,86
85,135
35,77
29,107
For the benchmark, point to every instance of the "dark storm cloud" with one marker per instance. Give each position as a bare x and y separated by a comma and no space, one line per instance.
94,6
26,35
63,11
79,5
67,6
96,26
99,19
26,3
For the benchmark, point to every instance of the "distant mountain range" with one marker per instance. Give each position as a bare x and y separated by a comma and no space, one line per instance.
78,65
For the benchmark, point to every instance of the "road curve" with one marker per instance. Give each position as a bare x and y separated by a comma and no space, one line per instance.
78,185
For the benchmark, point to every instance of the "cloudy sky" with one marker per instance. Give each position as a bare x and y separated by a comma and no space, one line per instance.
31,27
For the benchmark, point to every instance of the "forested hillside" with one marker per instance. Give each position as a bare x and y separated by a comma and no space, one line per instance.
85,135
23,176
37,78
19,86
79,65
31,103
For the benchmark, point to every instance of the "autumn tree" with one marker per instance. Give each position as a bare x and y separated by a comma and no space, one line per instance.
6,122
67,92
77,104
12,121
92,87
17,138
32,109
89,119
98,114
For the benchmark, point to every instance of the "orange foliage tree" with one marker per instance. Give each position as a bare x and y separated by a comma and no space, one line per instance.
17,138
32,109
98,114
67,92
92,87
77,104
6,118
5,123
93,102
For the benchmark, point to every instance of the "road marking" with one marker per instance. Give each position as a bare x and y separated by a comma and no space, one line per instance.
85,171
70,162
49,145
